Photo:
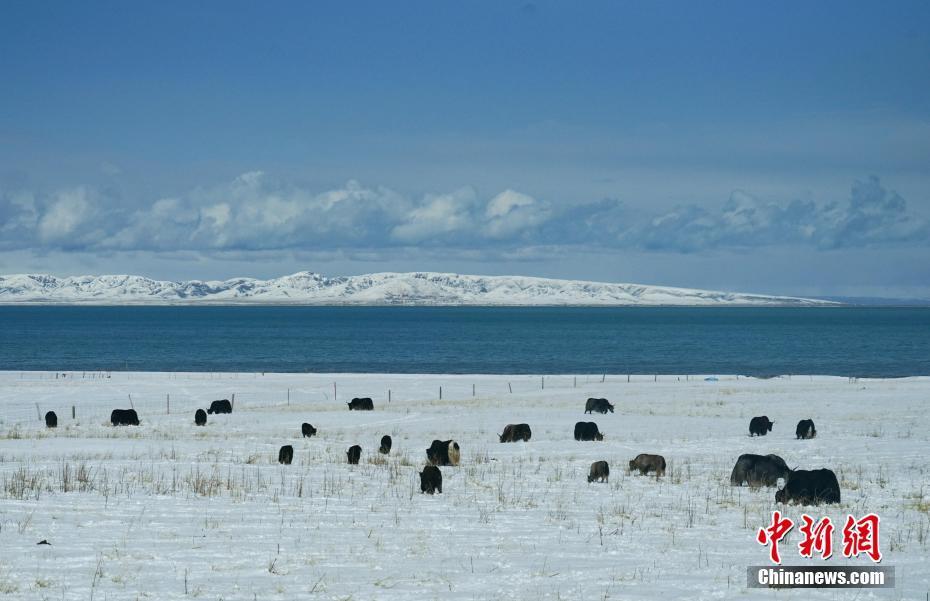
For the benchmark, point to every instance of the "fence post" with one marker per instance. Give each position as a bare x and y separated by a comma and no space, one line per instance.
389,395
473,389
72,411
130,402
288,396
575,382
334,391
542,382
440,393
233,403
167,404
38,413
509,387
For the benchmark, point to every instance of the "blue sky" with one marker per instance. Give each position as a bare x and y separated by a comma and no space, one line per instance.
770,147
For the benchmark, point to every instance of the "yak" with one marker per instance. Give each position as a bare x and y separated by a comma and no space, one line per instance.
805,429
200,417
307,430
124,417
354,454
51,420
809,487
286,455
443,452
758,470
646,463
222,406
515,432
599,405
361,404
386,444
587,431
430,480
758,426
600,471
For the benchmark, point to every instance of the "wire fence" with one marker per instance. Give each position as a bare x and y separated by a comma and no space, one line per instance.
247,391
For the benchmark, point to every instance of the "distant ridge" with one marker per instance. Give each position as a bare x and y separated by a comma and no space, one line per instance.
419,288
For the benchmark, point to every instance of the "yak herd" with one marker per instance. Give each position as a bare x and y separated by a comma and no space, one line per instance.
807,487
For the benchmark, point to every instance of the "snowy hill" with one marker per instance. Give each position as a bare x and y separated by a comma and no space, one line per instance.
306,288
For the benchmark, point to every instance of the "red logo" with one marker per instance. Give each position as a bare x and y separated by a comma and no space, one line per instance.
817,537
774,533
859,536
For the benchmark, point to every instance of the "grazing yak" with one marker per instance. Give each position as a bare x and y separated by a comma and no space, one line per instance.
223,406
386,444
809,487
307,430
758,426
200,417
515,432
51,420
124,417
600,471
646,463
758,470
363,404
806,429
354,454
430,480
443,452
587,431
599,405
286,455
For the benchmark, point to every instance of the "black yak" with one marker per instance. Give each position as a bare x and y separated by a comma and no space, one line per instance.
758,470
599,405
200,417
587,431
307,430
758,426
515,432
51,420
386,444
805,429
222,406
124,417
430,480
286,455
354,454
363,404
810,487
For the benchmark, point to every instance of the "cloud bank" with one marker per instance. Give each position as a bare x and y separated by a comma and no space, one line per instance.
256,213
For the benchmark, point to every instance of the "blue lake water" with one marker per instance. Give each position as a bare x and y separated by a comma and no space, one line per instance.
863,341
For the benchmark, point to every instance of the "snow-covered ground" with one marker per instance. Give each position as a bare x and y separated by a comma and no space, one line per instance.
419,288
171,511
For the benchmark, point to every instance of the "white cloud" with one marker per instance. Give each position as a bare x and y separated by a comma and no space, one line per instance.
511,213
437,217
254,213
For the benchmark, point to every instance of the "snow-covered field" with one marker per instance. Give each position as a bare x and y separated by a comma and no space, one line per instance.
171,511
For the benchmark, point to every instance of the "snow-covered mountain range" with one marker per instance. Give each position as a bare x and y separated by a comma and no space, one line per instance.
306,288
